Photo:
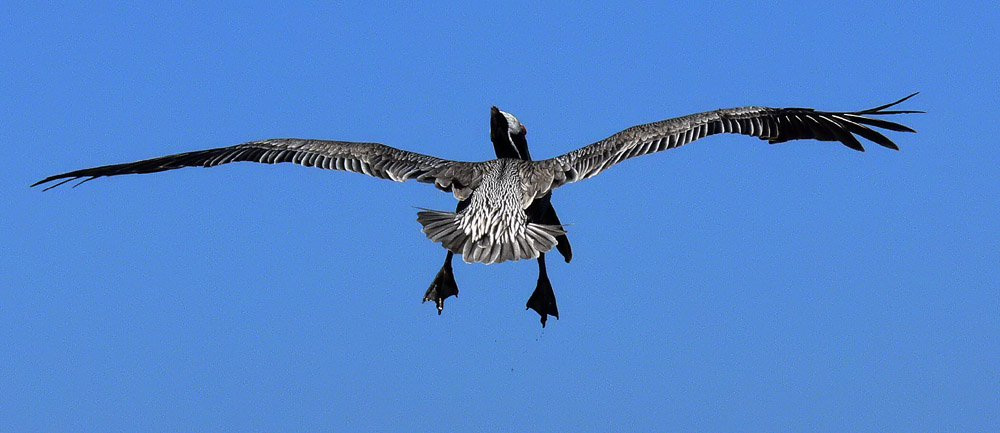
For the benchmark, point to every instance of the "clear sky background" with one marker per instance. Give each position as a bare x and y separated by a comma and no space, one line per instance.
729,285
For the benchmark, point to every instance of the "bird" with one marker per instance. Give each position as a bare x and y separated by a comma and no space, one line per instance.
508,136
501,215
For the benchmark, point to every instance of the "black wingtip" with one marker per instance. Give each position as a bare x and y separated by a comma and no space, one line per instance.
880,109
52,178
46,180
84,181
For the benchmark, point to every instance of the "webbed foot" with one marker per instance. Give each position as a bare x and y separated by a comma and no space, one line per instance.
444,285
543,299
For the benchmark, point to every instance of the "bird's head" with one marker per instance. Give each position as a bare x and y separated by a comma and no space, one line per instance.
508,135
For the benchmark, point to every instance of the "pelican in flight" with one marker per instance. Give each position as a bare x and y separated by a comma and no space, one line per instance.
509,141
504,211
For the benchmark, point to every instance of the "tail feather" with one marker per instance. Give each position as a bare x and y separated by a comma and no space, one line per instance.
451,239
543,237
445,227
467,250
507,251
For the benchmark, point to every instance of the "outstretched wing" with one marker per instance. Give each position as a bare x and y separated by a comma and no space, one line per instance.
373,159
775,125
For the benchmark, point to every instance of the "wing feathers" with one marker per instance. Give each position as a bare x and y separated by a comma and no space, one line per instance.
373,159
776,125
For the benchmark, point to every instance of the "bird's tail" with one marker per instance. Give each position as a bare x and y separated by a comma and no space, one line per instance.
446,228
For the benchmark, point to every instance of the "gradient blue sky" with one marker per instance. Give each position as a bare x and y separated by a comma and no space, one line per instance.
728,285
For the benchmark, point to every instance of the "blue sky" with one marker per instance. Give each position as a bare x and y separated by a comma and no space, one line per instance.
728,285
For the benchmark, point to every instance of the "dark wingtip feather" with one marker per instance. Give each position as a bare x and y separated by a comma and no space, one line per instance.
878,110
901,112
84,181
858,119
848,140
46,180
69,177
888,145
866,132
839,132
892,126
65,178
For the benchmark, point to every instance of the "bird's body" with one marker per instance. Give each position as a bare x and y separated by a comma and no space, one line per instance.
500,216
495,226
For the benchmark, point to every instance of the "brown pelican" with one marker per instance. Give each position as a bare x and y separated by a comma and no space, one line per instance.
506,200
509,137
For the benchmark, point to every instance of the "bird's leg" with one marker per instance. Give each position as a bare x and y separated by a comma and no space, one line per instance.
444,285
543,299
